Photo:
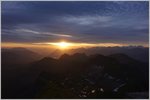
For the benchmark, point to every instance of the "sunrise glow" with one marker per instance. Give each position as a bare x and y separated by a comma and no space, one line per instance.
61,45
72,45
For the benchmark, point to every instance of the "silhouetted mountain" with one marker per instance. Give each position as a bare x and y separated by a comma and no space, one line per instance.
57,53
79,76
136,52
15,64
47,61
46,64
107,73
18,55
122,58
77,58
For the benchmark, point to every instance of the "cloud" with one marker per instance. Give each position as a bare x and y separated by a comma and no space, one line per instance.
28,31
61,35
75,21
87,20
43,33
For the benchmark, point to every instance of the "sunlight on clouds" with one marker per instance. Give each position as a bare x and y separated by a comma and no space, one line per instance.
27,30
43,33
26,45
71,45
63,45
61,35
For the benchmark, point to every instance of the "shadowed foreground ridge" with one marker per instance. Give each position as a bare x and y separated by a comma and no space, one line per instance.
76,76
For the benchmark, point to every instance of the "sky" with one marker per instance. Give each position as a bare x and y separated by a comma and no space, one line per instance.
93,22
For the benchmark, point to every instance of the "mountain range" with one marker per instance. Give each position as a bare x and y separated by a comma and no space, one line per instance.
137,52
75,75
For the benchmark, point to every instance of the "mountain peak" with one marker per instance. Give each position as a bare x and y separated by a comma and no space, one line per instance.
79,55
64,56
46,59
123,58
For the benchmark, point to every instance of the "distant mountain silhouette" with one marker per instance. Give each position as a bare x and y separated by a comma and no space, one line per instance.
116,64
18,55
74,76
122,58
136,52
57,53
64,57
94,70
77,57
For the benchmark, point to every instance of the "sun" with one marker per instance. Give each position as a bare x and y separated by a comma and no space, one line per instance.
63,45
